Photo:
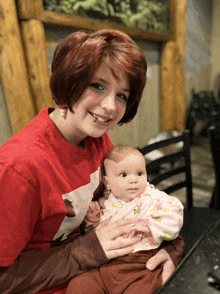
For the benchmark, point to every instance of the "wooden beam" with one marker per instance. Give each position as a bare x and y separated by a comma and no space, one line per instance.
29,9
77,22
13,69
178,31
180,105
168,86
35,50
175,117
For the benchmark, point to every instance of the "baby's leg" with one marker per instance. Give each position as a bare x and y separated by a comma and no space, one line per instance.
128,274
148,282
87,283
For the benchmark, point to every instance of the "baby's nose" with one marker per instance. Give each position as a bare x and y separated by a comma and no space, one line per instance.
133,178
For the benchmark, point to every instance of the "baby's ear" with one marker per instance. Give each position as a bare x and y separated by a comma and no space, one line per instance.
106,183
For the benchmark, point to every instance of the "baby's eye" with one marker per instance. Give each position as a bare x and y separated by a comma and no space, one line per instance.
123,175
98,86
122,97
140,174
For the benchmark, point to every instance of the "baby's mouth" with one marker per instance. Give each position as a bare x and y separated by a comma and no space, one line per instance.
133,189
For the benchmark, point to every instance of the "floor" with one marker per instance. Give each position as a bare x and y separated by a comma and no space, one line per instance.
202,174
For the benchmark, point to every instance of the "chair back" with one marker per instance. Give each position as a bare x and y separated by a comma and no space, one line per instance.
201,108
214,136
182,156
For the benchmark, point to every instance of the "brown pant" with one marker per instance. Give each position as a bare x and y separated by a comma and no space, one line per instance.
127,274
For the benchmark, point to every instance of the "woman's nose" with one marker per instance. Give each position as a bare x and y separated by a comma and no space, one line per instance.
108,103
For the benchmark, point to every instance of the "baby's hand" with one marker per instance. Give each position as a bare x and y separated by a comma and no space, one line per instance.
141,229
94,212
101,202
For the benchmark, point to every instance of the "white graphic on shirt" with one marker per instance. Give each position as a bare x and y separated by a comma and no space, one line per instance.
80,200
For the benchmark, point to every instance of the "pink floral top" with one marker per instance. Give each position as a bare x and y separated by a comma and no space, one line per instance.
161,213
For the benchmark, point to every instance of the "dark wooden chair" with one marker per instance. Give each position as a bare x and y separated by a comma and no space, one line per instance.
197,220
201,108
214,136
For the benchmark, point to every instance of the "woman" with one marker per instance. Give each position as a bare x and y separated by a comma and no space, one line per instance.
50,169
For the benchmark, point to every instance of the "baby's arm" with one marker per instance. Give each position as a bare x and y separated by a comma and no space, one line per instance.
166,217
92,217
93,213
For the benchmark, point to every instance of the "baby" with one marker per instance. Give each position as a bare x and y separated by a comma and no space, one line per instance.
157,217
128,195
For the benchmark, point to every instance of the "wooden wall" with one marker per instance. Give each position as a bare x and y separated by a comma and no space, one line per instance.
24,67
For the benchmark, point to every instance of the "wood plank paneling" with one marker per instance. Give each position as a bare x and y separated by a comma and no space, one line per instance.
168,86
13,69
29,9
174,117
35,50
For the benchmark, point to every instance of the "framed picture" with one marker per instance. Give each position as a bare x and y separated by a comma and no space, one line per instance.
145,19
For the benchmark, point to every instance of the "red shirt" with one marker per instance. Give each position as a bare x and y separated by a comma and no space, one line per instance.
46,186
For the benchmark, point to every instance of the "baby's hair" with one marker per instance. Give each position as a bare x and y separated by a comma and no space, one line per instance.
117,153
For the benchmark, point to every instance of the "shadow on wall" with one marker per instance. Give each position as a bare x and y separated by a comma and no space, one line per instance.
5,127
199,81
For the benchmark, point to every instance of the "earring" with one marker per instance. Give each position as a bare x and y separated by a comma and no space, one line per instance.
63,110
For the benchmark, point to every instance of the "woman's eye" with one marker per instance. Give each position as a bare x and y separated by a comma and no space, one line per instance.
122,97
123,175
98,86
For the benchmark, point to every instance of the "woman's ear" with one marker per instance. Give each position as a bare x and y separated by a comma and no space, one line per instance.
106,183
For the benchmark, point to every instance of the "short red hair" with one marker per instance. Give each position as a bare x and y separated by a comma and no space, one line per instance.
77,58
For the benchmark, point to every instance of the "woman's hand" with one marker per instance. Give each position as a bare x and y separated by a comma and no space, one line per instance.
108,234
163,259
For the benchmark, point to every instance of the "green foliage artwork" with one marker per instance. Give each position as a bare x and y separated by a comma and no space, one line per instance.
150,15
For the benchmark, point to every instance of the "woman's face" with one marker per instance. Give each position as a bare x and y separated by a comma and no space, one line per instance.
102,104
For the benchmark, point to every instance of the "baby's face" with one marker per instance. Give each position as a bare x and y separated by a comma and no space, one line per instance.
126,179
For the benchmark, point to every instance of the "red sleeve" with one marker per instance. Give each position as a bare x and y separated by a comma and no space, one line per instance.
19,210
175,249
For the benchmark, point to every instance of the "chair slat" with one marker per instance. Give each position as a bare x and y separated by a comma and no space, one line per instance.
169,174
171,158
182,155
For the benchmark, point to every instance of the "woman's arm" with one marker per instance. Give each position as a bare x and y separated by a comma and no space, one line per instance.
33,271
174,249
168,257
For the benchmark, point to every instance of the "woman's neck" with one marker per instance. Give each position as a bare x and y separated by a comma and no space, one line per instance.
66,129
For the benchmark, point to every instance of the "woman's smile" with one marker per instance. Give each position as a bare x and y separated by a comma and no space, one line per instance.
102,120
